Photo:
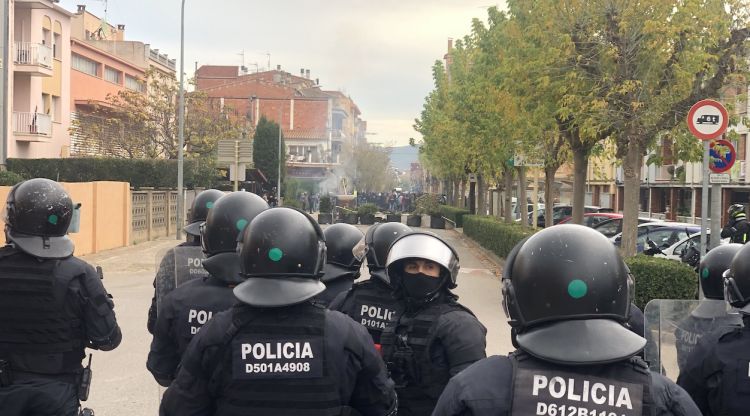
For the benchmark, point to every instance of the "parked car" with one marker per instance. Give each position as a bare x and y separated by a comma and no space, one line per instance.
675,251
529,210
592,219
662,234
559,213
613,226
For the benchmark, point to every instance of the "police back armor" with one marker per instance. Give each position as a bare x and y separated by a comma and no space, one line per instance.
691,329
407,350
372,304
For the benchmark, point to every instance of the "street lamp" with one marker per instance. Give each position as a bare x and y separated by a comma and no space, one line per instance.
181,129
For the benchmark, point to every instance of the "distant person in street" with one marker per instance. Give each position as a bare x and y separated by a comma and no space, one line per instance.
189,306
567,294
52,306
737,228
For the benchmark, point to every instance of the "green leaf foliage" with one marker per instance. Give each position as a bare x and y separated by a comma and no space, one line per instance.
8,178
494,235
657,278
266,151
454,214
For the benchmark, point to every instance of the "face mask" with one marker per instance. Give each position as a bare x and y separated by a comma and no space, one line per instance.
420,285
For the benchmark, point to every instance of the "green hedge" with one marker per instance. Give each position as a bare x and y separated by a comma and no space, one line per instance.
454,214
493,234
156,173
659,278
10,178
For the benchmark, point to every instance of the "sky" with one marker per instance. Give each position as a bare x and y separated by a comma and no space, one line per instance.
378,52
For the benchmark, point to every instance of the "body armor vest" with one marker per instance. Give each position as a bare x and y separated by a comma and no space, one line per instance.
40,330
543,388
372,305
407,348
197,305
691,329
734,379
274,362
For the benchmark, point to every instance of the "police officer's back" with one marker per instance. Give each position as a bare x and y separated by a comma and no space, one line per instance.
189,306
52,306
717,373
435,337
373,302
180,263
567,293
737,229
279,353
712,311
345,250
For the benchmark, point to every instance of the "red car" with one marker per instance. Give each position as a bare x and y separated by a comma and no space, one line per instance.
593,218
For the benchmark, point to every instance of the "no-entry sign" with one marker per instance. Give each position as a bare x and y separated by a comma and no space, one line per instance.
707,119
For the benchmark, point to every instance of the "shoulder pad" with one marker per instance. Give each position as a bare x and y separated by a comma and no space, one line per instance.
639,364
453,305
728,331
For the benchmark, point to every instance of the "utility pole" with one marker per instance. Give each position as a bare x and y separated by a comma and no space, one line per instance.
181,144
281,158
4,79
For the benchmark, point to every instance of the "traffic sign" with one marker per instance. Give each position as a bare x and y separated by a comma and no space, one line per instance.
707,119
521,160
235,151
721,156
719,178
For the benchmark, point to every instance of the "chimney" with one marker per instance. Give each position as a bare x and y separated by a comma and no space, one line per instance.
120,27
302,72
81,8
307,73
450,44
278,67
317,81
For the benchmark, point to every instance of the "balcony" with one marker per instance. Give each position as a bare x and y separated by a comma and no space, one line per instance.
33,58
32,127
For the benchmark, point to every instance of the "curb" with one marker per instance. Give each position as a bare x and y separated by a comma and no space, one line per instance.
497,261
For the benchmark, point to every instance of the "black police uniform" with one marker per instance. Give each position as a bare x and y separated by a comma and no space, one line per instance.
737,229
184,311
692,329
371,303
301,360
51,311
488,388
717,373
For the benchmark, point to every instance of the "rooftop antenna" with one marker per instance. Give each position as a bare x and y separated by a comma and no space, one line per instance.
268,54
103,22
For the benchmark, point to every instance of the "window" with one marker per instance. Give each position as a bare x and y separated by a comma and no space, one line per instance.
610,228
134,84
112,75
56,109
57,47
84,64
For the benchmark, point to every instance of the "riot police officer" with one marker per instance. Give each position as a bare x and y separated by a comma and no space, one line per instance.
373,302
435,337
717,374
737,228
345,250
189,306
567,293
183,262
711,312
52,306
278,352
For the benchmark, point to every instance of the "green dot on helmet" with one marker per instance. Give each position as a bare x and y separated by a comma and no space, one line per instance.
705,273
241,223
577,289
52,219
275,254
210,204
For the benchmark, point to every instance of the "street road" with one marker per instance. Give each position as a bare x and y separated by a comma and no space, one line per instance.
123,387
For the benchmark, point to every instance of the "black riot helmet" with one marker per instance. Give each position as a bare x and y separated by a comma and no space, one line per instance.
224,225
378,240
737,280
567,293
38,214
199,210
422,245
345,249
712,268
282,257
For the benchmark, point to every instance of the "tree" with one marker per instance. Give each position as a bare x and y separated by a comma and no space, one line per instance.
266,150
368,167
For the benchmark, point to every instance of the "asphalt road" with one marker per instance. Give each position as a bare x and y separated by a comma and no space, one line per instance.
123,387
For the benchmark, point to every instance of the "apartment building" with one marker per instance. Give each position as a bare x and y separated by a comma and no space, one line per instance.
39,80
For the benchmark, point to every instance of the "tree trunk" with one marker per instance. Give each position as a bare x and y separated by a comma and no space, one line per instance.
481,195
473,197
508,177
632,171
498,213
580,166
549,197
462,194
523,207
454,192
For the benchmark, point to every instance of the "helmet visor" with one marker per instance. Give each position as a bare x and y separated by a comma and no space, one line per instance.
359,250
202,231
421,246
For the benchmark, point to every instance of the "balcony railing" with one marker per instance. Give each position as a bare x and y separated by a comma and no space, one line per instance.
36,124
28,53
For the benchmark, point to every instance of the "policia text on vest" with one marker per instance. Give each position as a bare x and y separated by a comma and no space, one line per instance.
261,359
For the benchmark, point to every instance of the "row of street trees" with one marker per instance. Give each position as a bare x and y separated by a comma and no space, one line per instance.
566,80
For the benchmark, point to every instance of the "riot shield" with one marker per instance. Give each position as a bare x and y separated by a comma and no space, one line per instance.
188,264
674,328
164,281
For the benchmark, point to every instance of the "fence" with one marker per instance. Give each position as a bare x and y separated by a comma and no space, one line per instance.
154,215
